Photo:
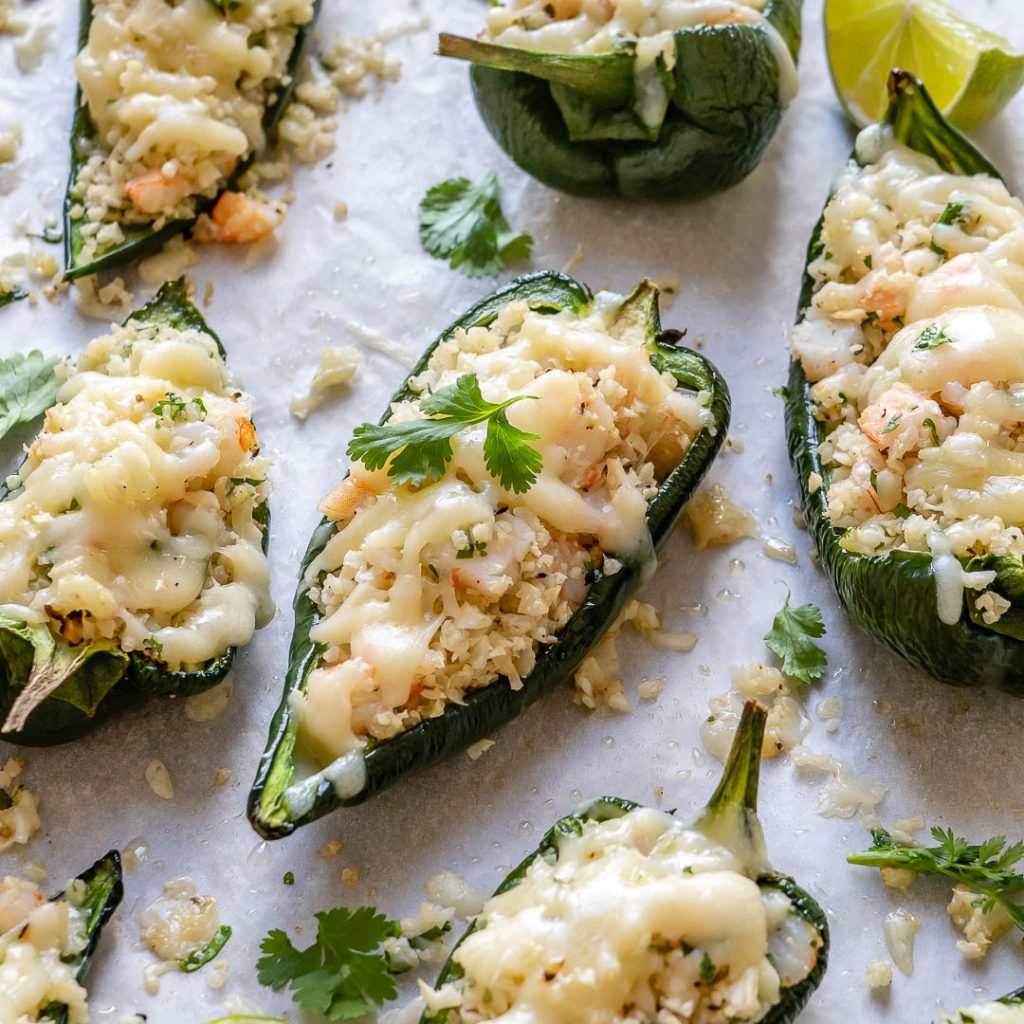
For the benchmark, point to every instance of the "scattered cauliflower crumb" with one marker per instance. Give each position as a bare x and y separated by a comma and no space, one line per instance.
814,483
159,779
20,821
379,343
411,1013
217,976
650,689
878,973
900,927
35,872
980,929
829,710
478,749
350,876
338,366
330,849
898,878
716,520
10,141
992,606
223,776
786,725
450,889
909,825
108,303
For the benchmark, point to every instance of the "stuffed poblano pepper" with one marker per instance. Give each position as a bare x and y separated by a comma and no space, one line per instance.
46,945
174,101
665,99
490,531
624,913
132,536
1008,1010
906,397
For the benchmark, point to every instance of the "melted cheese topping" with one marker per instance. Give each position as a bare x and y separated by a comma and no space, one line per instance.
638,918
177,92
132,517
914,342
430,593
601,26
34,937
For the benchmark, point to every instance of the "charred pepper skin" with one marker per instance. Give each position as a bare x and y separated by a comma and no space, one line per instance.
489,707
107,680
141,240
569,120
893,598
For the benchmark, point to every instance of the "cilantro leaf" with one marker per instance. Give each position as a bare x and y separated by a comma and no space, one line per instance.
986,867
462,222
792,638
419,450
932,337
28,386
343,975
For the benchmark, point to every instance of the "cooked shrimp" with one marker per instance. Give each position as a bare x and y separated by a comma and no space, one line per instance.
902,421
240,218
17,901
155,191
347,498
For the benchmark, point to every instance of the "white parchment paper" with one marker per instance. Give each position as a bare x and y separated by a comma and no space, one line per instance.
952,755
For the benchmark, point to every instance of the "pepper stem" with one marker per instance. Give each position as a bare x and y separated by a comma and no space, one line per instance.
730,816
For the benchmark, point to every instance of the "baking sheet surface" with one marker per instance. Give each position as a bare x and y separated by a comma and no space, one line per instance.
951,755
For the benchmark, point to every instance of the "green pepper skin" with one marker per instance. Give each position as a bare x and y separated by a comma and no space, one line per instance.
106,679
104,890
724,110
606,808
141,240
894,597
491,706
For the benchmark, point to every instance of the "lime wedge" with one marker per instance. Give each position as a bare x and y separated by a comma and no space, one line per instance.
970,72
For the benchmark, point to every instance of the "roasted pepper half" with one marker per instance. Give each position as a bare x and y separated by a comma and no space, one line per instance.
694,119
283,797
730,821
55,685
146,236
894,596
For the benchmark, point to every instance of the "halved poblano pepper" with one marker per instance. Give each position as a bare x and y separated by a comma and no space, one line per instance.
98,891
729,821
608,123
55,687
141,239
894,596
283,797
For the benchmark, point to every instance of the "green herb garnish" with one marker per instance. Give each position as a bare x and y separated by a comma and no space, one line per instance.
28,386
985,868
930,424
932,337
419,450
708,969
462,222
343,975
954,212
172,407
792,638
892,424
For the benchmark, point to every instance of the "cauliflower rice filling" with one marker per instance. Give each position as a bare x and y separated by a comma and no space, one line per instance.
177,90
695,940
35,937
132,517
986,1013
426,594
913,346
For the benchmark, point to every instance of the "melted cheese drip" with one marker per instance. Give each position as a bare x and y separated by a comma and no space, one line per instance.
584,938
177,79
34,936
384,630
127,518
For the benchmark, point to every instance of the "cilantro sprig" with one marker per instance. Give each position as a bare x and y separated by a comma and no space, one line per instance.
792,637
462,222
419,450
344,974
986,867
28,386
